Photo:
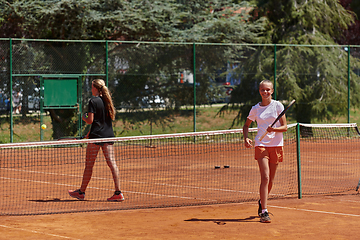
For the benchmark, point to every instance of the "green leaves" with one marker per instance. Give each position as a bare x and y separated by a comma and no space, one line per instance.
140,20
315,76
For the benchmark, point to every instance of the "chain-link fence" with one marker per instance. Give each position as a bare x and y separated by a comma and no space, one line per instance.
157,86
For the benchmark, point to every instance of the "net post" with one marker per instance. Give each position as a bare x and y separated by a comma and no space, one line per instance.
298,160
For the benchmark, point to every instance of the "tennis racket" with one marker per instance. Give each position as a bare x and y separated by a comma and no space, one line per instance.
277,119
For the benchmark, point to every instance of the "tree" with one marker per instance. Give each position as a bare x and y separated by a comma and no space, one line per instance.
140,20
153,70
351,35
315,76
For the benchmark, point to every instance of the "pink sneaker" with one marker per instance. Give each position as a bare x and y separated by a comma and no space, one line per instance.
77,194
116,198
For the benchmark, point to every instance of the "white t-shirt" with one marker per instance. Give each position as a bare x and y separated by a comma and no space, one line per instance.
17,99
265,116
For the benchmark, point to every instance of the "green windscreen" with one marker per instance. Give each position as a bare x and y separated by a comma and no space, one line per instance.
60,92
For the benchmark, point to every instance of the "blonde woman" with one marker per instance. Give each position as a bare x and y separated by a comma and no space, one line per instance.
101,113
268,152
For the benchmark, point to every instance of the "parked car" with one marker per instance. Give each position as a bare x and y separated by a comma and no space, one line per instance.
152,101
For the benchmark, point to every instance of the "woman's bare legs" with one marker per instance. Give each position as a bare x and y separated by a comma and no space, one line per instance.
108,150
91,154
267,172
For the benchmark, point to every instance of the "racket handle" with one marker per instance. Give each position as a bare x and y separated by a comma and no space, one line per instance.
262,137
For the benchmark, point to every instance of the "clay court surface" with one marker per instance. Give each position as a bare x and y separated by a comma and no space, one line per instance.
35,183
312,217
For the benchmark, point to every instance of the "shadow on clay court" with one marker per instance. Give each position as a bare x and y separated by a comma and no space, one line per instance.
66,200
223,221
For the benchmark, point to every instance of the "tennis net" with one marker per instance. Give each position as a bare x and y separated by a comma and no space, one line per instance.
174,170
330,158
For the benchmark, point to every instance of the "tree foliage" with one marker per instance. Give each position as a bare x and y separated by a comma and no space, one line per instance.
315,76
351,35
140,20
151,71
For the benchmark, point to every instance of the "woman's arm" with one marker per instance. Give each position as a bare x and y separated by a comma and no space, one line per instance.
282,128
247,141
88,117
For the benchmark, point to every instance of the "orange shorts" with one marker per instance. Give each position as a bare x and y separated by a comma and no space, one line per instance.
274,154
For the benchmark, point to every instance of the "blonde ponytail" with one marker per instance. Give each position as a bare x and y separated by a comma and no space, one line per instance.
99,84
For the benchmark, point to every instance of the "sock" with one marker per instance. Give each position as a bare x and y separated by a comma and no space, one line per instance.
264,210
117,192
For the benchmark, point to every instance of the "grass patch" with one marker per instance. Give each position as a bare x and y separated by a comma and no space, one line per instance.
27,129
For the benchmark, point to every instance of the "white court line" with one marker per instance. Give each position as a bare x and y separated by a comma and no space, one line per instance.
316,211
37,232
350,201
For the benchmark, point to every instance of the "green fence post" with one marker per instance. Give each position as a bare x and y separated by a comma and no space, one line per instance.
79,98
107,63
298,160
194,83
10,92
41,107
275,71
349,84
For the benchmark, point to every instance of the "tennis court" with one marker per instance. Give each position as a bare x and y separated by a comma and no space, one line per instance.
160,179
313,217
173,190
